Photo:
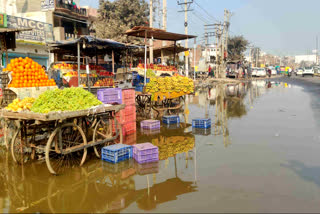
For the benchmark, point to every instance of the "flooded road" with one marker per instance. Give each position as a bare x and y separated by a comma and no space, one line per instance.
261,155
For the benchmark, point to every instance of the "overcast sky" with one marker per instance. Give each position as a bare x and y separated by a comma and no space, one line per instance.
282,27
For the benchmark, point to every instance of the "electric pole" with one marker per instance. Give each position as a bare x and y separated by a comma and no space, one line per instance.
225,36
186,5
218,48
151,25
164,26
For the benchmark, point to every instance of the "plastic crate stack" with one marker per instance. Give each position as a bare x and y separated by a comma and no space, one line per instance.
110,95
116,153
150,125
171,119
127,116
145,153
201,123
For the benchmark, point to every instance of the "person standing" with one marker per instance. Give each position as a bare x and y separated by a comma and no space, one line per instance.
209,71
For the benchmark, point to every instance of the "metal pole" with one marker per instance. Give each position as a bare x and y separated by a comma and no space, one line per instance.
186,32
194,60
78,64
112,62
145,59
151,25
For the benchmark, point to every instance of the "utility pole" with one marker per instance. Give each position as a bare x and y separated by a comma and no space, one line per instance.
164,26
186,5
225,36
207,35
151,25
218,48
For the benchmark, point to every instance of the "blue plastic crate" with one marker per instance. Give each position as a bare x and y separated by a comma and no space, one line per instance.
139,88
116,153
201,123
172,119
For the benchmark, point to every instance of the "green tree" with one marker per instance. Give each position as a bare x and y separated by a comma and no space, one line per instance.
118,16
237,45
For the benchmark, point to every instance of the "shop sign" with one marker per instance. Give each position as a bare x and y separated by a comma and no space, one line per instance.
186,53
41,31
47,5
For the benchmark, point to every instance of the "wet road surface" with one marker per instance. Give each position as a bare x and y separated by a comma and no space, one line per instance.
261,155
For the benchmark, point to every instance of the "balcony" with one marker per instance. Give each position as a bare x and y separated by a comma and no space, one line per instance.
62,6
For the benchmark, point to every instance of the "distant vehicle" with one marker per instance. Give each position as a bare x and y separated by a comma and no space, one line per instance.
308,71
254,72
273,71
299,71
316,69
261,72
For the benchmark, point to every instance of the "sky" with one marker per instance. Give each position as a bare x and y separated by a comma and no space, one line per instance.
280,27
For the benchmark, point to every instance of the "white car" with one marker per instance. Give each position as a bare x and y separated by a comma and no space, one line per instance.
308,71
254,72
261,72
273,72
299,72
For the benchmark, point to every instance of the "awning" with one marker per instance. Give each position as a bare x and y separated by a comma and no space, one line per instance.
155,33
167,50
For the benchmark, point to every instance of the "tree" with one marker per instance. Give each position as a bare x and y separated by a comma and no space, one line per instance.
118,16
237,45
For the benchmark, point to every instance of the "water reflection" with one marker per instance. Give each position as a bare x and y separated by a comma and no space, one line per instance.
100,186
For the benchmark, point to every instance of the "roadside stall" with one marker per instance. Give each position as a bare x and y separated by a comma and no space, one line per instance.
86,71
61,125
162,94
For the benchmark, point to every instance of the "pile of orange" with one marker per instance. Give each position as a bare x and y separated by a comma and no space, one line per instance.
27,73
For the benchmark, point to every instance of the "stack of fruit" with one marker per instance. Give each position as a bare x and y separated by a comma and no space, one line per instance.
158,67
27,73
68,99
64,65
104,82
170,84
21,105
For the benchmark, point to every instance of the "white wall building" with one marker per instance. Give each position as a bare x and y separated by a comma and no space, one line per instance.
306,58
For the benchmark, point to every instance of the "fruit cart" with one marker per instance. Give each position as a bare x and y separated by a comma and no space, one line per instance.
63,137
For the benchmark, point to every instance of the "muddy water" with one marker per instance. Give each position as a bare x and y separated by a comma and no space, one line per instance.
260,155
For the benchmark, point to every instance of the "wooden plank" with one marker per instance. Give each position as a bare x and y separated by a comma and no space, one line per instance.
58,115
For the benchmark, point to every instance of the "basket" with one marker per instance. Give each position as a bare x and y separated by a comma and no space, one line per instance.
4,79
201,123
8,96
150,124
204,132
110,95
145,153
172,119
129,96
116,153
128,114
139,88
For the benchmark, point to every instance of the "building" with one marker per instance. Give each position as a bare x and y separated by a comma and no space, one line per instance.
50,20
305,58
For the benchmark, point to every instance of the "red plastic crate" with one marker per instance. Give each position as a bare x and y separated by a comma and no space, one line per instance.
130,139
127,128
128,114
129,96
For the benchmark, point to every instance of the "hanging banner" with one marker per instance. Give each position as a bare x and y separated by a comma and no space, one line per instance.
47,5
41,32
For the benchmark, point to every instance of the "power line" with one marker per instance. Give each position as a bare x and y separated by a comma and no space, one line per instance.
205,11
200,18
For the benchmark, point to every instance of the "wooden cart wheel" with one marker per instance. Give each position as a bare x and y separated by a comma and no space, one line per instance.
72,137
20,153
102,131
118,127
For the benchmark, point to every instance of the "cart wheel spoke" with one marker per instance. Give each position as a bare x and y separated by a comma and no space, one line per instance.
102,131
71,136
20,153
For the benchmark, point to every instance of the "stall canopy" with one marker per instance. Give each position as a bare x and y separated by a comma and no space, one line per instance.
155,33
90,45
167,49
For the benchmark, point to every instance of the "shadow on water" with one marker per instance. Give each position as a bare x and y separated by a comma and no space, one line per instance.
311,174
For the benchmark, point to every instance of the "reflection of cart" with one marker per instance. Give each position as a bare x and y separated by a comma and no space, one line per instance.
162,103
63,137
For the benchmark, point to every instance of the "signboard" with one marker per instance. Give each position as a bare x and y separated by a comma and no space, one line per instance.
41,31
262,66
186,53
47,5
3,20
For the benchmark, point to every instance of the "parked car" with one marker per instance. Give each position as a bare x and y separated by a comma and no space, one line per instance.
254,72
273,71
299,71
308,71
261,72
